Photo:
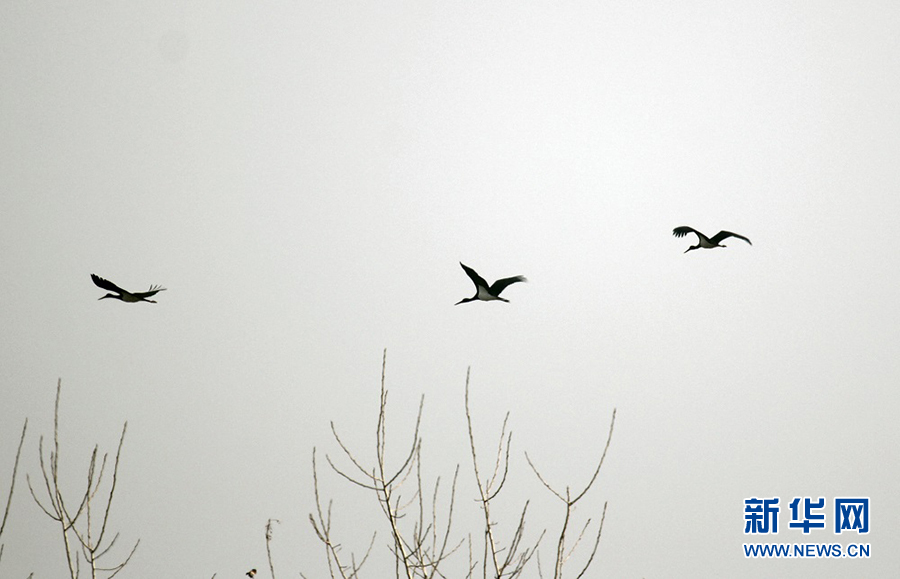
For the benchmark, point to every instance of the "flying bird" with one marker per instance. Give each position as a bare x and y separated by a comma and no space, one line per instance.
123,295
484,292
703,241
251,573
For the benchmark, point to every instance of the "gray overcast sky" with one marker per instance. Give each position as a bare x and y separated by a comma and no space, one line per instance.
304,178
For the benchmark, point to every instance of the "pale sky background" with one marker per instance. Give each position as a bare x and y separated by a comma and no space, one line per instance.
304,178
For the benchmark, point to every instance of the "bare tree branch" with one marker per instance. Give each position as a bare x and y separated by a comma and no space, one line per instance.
269,545
561,556
420,543
92,547
12,484
418,552
596,544
513,562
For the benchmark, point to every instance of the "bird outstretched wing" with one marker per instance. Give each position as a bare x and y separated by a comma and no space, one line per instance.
684,230
106,284
725,235
473,275
154,289
501,284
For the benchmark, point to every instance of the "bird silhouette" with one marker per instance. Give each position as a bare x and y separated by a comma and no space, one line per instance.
123,295
484,292
703,241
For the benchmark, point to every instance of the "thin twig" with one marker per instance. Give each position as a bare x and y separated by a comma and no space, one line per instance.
91,548
269,544
12,484
561,556
596,544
